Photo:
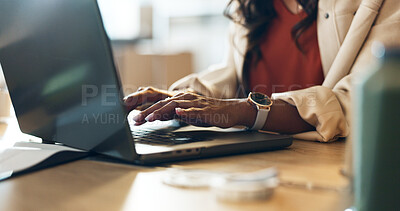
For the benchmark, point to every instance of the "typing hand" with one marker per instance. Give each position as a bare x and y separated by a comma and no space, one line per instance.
145,95
200,111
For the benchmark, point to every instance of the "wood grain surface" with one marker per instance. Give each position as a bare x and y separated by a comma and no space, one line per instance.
309,172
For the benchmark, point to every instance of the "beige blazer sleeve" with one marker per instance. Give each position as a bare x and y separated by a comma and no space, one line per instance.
328,107
345,46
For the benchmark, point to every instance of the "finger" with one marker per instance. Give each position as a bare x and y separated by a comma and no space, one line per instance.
178,97
178,94
141,88
143,96
139,123
141,117
139,98
167,111
144,106
184,96
132,101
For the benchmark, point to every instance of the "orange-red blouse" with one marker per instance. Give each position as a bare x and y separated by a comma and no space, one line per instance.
282,66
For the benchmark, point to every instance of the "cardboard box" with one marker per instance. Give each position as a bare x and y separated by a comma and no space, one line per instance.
157,70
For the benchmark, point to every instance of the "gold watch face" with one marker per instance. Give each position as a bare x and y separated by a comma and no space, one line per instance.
260,98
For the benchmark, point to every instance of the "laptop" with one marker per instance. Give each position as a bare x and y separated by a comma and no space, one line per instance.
59,69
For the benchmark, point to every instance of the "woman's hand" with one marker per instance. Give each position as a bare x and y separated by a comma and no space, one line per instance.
205,111
145,95
200,111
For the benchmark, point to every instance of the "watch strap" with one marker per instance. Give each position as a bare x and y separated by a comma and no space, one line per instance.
261,118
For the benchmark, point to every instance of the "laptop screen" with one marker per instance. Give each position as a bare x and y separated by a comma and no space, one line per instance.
59,71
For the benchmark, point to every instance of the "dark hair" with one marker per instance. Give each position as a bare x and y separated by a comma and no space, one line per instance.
256,16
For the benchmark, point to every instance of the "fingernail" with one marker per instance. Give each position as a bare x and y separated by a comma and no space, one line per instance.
150,117
137,118
178,111
138,123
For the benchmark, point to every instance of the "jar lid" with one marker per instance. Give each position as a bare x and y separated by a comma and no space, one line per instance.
258,185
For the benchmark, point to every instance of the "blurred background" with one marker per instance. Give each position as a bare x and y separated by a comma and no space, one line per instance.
156,42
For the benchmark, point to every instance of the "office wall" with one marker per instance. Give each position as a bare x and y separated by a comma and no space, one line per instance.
176,38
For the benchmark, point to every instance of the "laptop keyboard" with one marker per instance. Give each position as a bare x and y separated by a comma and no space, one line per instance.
162,137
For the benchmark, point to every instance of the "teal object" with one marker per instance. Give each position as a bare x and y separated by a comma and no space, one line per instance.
377,136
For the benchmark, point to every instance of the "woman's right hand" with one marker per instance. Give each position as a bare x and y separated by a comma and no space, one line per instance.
145,95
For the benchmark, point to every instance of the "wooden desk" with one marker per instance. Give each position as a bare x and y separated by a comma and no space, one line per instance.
92,185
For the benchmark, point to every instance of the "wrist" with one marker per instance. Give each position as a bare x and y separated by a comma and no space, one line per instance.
247,113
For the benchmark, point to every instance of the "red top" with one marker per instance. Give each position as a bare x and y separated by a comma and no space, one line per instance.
282,66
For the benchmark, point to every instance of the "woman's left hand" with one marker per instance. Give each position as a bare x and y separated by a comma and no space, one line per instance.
200,111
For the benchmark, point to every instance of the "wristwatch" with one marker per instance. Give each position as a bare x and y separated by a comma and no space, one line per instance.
263,104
